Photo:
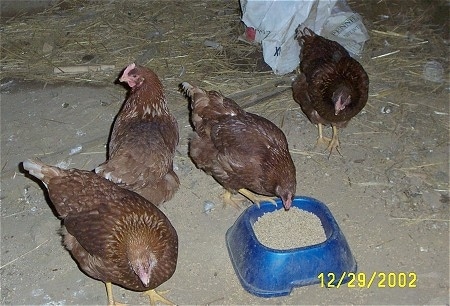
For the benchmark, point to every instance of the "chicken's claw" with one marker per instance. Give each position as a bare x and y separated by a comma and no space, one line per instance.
322,140
158,297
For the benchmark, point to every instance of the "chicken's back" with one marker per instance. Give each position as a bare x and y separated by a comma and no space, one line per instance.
245,151
72,190
239,149
209,105
317,49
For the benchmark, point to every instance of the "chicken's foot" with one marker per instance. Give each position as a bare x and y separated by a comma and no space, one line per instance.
152,294
331,143
229,200
158,297
322,139
256,198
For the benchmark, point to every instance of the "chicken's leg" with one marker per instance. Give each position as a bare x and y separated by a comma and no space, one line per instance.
157,297
334,143
109,294
256,198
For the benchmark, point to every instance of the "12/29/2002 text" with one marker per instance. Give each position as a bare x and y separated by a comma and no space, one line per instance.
364,280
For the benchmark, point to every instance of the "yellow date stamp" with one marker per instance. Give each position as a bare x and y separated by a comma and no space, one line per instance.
365,280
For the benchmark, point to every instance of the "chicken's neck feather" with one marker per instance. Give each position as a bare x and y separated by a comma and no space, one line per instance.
147,101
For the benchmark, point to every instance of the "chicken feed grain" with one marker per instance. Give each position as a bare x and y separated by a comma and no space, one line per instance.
304,228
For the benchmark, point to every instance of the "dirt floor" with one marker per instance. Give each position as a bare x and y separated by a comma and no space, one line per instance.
388,191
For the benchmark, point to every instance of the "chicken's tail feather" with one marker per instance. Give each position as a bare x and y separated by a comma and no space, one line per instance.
304,33
308,32
189,90
40,170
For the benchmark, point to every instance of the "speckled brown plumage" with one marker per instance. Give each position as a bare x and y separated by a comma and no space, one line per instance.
239,149
110,231
328,76
143,139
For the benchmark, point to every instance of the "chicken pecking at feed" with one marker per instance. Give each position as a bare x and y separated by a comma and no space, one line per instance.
115,235
143,139
244,152
331,87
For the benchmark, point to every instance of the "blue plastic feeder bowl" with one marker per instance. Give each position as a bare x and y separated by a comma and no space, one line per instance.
267,272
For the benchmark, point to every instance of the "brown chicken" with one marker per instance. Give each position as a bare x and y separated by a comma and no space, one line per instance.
332,87
115,235
143,139
244,152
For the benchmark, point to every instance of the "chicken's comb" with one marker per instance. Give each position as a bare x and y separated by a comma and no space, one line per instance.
129,68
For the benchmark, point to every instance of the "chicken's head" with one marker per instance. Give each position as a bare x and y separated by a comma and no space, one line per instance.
132,76
286,194
341,98
142,262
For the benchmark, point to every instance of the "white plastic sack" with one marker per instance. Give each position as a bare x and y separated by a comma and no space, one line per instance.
275,23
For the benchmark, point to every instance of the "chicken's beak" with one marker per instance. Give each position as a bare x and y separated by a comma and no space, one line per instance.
123,79
287,203
338,106
145,278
